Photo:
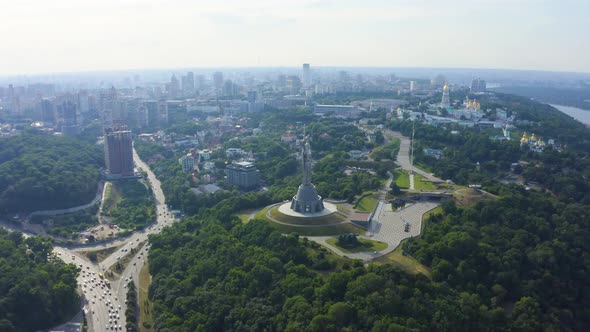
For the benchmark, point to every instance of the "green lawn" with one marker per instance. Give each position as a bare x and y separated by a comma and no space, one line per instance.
424,167
468,197
345,208
111,197
244,215
367,203
422,184
407,264
318,231
311,231
402,179
146,320
425,216
364,246
100,255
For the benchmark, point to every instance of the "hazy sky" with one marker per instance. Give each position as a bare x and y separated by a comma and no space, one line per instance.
39,36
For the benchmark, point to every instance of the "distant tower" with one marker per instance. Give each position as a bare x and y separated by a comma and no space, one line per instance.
306,75
189,88
412,86
446,100
69,122
478,85
162,113
173,87
118,152
218,80
143,119
307,199
47,111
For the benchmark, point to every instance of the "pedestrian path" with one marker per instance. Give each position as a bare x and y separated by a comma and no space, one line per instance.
387,226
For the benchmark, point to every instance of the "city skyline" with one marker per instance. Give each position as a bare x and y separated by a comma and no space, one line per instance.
68,36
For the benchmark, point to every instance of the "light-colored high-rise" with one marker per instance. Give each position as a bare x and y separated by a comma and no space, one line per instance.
306,75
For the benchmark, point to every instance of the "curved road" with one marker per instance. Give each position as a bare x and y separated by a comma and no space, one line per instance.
105,305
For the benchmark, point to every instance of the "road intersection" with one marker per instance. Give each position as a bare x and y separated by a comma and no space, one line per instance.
109,312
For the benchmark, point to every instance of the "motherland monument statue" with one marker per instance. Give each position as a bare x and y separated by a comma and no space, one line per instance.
307,199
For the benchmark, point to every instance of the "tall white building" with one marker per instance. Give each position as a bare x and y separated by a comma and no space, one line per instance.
446,99
306,75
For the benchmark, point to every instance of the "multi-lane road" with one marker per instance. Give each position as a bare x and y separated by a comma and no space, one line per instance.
99,314
104,304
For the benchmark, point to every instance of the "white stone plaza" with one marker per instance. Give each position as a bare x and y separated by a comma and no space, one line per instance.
329,208
389,226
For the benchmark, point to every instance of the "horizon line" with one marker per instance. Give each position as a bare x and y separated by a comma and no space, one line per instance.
209,68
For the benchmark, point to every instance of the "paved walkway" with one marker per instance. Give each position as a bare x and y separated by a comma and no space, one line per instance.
403,156
386,226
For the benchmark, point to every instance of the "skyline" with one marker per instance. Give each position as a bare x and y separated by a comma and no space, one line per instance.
114,35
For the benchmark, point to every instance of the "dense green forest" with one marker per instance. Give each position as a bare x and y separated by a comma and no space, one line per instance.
515,263
47,172
518,263
37,291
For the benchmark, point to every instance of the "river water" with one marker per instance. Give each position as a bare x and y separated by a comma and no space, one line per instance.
577,113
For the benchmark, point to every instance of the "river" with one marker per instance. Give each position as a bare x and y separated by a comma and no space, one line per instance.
577,113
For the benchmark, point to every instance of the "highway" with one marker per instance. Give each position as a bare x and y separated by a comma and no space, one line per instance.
105,309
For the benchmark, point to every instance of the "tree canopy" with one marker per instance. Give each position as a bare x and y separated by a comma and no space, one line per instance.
37,290
47,172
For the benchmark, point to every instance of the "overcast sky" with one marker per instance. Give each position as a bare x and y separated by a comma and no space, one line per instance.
40,36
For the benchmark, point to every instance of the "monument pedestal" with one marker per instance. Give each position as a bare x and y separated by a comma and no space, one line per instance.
307,200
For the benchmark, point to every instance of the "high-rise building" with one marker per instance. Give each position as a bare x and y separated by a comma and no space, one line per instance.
106,107
69,121
446,99
188,85
242,174
218,80
478,85
143,119
306,75
47,111
413,86
343,76
253,104
83,106
230,88
187,162
200,82
173,87
293,84
162,113
118,152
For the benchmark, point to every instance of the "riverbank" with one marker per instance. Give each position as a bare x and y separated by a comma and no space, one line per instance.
579,114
